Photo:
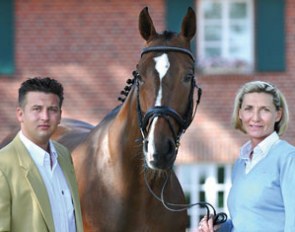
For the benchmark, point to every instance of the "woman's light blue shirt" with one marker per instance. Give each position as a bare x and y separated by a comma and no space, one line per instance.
264,198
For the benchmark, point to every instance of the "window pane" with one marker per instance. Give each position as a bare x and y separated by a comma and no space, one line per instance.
237,10
238,34
239,42
213,52
237,29
235,51
212,10
213,33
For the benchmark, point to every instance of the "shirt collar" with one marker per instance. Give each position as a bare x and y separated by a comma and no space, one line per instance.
39,155
262,148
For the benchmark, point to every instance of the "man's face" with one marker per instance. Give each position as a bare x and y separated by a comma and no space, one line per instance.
39,117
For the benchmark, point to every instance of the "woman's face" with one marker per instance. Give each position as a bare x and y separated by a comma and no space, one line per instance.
258,115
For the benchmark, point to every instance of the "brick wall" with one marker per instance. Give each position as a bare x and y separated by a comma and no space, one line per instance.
93,46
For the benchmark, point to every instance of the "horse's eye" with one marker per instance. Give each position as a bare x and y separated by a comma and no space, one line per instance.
188,77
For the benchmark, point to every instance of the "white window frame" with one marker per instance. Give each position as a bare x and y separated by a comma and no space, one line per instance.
224,67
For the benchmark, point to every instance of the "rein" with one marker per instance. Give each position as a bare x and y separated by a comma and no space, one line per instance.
218,218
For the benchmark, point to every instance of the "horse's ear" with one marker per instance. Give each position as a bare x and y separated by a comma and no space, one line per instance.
146,26
188,28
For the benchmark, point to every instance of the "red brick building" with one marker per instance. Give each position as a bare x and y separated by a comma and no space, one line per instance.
92,47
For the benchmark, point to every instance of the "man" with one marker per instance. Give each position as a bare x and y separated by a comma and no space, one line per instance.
38,188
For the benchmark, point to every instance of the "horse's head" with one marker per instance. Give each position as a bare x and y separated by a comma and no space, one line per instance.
165,89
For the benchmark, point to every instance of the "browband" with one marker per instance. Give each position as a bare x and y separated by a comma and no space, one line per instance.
168,48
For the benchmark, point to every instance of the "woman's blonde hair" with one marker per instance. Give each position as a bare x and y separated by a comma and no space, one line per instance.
279,102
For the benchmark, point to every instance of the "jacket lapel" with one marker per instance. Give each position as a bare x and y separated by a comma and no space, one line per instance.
35,182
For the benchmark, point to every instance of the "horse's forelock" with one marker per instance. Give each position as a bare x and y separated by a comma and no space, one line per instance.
168,35
169,38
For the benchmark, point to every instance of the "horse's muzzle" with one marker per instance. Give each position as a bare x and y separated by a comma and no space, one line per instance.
160,157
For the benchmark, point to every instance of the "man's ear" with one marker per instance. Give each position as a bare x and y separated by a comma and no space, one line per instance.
19,114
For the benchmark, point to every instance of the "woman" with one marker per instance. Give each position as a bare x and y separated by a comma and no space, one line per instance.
263,178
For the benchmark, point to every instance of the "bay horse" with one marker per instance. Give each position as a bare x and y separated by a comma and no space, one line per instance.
136,144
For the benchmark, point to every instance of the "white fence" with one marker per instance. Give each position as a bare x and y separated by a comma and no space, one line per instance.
204,182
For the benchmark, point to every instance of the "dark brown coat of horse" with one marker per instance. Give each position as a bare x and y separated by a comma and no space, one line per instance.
139,139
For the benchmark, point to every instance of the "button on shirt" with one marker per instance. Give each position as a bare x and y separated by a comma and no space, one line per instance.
259,152
58,191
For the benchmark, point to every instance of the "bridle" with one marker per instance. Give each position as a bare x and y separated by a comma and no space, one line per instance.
183,122
165,111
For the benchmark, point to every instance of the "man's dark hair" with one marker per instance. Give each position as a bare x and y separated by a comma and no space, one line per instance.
39,84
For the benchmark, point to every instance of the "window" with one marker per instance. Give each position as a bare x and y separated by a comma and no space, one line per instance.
225,41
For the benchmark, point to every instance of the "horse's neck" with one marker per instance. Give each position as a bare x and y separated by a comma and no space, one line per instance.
125,126
124,137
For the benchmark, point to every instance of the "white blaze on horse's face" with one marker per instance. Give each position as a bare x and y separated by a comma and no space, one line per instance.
162,66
